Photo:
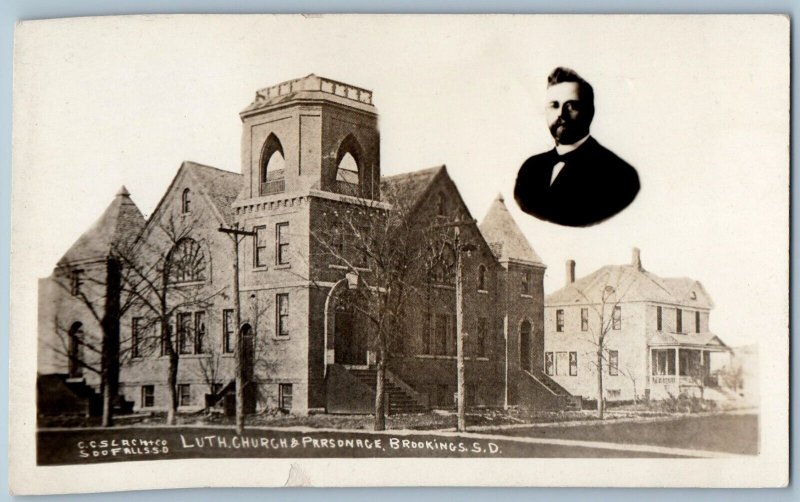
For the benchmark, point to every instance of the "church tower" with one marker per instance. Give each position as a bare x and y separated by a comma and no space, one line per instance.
310,154
311,133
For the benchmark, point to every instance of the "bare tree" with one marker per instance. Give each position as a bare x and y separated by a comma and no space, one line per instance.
631,374
386,249
167,275
607,308
98,289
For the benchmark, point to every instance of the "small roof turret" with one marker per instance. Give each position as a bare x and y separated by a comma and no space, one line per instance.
504,236
119,224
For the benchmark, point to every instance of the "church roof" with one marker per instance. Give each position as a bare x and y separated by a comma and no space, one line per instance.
221,187
409,187
119,224
504,236
631,283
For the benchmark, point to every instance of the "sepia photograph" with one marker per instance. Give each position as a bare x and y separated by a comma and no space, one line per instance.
363,250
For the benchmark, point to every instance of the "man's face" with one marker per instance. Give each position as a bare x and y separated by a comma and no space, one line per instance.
568,117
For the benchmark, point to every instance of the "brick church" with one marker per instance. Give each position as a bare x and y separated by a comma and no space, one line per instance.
310,154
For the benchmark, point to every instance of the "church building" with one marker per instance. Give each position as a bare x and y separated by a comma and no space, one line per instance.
310,160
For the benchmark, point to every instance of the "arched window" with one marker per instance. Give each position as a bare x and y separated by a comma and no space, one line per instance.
482,278
75,350
525,346
273,166
347,170
441,204
185,202
348,167
186,262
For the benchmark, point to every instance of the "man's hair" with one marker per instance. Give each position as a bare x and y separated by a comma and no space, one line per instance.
563,74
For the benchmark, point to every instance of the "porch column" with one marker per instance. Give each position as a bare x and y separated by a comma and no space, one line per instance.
677,364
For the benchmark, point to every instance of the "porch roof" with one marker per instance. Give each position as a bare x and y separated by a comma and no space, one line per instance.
705,340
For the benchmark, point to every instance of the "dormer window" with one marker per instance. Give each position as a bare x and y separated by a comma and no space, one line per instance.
186,201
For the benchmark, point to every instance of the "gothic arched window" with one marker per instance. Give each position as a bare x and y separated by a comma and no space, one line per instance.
185,202
441,204
482,278
348,167
186,262
273,166
347,170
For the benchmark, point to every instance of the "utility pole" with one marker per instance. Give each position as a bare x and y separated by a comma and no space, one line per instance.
236,236
459,248
462,419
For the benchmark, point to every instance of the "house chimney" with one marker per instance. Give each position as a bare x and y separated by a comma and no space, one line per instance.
570,272
636,259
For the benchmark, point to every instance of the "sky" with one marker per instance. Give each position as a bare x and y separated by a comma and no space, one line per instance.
699,105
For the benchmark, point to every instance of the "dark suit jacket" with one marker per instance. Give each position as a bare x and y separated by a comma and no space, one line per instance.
593,185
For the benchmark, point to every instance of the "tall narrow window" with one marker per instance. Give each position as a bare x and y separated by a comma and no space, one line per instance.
76,281
548,363
678,321
348,167
697,322
428,335
613,362
282,302
273,167
260,244
441,334
616,320
227,330
184,333
199,332
560,320
184,394
482,278
526,283
186,201
441,204
148,396
584,319
282,243
136,337
285,397
480,342
573,364
659,322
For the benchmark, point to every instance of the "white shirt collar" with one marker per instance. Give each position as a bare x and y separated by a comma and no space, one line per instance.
565,149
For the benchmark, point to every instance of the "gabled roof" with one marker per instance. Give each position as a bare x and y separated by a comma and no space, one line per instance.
504,236
631,283
119,225
409,187
221,187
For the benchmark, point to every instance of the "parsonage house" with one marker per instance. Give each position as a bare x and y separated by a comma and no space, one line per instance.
655,334
307,198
